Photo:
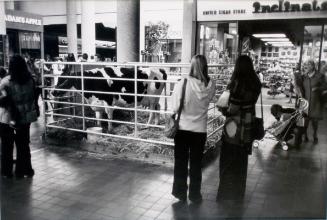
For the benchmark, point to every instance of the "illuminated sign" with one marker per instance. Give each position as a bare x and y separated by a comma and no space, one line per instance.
23,20
288,7
219,10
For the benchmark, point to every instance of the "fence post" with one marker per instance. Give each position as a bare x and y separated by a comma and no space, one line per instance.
83,99
135,101
41,67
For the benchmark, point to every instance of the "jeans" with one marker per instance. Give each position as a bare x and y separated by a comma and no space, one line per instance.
22,140
21,137
7,147
189,147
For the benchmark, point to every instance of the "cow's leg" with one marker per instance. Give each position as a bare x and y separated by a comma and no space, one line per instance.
152,115
109,112
157,115
98,115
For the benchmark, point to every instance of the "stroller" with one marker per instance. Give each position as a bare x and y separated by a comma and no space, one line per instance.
283,131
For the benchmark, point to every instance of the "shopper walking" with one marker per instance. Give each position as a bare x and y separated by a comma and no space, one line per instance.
16,127
313,84
191,136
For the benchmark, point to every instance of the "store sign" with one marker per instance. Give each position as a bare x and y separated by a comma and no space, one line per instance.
219,10
62,41
29,40
286,6
23,20
20,20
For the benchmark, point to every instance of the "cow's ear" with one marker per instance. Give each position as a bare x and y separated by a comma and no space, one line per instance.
157,84
126,71
164,74
109,71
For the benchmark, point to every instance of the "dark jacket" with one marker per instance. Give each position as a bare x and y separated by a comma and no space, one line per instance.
240,116
313,88
22,98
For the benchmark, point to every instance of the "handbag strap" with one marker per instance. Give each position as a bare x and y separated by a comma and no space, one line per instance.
182,101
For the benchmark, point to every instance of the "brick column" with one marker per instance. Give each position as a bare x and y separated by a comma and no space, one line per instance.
88,27
189,30
128,30
71,27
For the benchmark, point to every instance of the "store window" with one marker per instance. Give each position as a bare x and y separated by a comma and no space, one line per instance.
324,50
312,43
218,42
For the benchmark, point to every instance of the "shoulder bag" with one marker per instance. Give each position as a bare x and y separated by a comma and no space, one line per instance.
258,131
172,124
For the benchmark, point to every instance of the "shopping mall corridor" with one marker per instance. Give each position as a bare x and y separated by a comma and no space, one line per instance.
75,185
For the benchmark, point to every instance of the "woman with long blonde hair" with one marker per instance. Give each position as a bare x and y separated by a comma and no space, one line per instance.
191,136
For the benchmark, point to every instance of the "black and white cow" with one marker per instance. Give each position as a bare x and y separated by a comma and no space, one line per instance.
122,86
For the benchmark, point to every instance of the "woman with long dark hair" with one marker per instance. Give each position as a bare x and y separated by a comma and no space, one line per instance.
245,88
15,126
191,136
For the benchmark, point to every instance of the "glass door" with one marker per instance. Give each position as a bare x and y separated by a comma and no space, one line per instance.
313,46
218,42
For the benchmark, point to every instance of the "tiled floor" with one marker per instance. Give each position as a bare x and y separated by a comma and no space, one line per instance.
71,185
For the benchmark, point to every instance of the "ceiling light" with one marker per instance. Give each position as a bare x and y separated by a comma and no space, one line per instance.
282,45
276,39
279,42
268,35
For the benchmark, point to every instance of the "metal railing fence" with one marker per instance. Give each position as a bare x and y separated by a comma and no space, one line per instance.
174,72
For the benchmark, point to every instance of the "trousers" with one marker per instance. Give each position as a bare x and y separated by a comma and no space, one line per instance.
189,148
21,137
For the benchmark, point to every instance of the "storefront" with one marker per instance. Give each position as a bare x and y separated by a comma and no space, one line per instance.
226,30
24,34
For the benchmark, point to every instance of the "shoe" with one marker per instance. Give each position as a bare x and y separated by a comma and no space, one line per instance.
7,176
181,198
315,140
28,174
196,199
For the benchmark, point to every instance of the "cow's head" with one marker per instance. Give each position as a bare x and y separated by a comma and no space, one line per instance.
154,87
67,83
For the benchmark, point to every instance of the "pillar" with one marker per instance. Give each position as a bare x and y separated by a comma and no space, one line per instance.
88,27
71,27
2,19
10,5
189,30
128,30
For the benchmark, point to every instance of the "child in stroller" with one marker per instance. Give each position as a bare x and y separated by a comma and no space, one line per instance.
289,124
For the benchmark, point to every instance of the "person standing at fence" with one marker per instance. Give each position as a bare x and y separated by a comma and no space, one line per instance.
245,88
313,85
21,96
191,136
7,144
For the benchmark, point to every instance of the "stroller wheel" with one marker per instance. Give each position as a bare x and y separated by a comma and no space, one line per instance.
284,145
255,144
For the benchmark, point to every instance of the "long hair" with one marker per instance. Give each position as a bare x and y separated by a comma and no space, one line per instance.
70,58
244,77
18,70
199,69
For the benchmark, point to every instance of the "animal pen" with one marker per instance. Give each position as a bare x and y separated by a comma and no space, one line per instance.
71,112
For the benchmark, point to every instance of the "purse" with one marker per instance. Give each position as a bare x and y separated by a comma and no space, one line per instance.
223,99
258,131
172,124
